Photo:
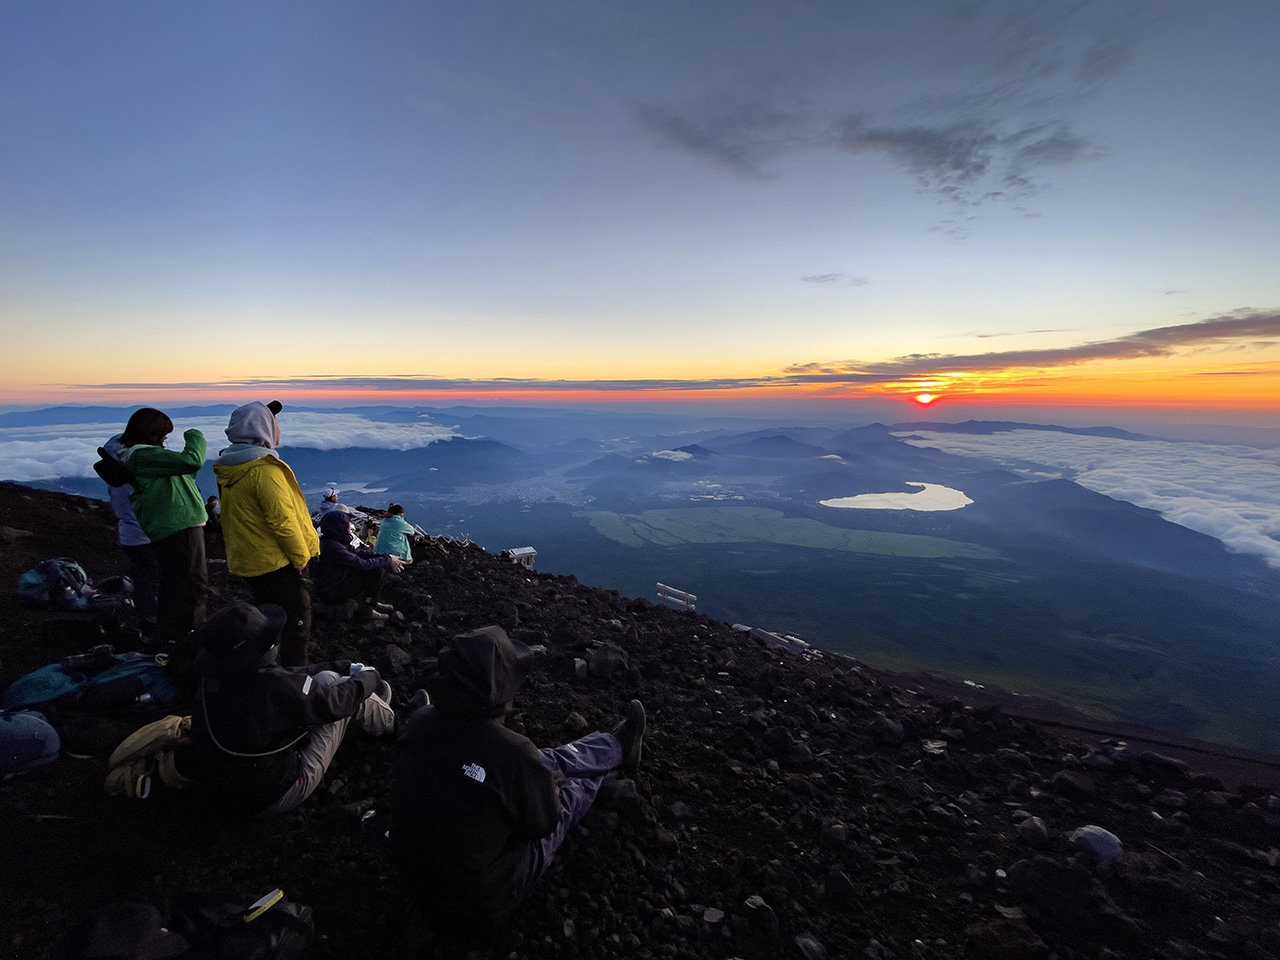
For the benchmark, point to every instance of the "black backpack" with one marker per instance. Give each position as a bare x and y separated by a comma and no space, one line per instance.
115,473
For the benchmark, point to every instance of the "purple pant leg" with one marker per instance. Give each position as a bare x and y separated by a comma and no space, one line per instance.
586,765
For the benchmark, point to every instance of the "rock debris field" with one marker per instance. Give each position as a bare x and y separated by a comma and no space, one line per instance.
789,805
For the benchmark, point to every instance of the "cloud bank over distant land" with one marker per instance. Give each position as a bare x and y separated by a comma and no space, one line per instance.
1228,492
69,450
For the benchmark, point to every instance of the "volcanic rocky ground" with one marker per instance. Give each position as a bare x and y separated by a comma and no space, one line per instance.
789,805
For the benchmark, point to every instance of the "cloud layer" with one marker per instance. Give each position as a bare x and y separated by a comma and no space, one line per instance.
1228,492
1258,328
69,450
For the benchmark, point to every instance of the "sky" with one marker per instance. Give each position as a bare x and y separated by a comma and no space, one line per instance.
1052,211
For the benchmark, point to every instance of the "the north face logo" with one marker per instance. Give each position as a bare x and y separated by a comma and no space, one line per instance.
474,771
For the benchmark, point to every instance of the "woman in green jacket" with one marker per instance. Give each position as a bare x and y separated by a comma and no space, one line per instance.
171,512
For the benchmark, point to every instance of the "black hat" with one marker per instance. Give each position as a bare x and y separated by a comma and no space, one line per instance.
236,637
275,406
478,673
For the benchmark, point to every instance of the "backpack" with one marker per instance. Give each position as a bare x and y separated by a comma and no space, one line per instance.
110,469
145,754
27,741
60,581
63,584
134,681
199,926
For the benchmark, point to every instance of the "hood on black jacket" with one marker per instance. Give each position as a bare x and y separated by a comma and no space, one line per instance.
478,674
336,525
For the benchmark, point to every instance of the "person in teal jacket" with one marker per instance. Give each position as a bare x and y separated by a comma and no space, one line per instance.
394,534
171,512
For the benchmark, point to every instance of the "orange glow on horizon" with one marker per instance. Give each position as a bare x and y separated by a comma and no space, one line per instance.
1150,384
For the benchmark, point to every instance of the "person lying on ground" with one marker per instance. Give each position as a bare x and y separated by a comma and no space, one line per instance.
344,572
478,810
265,522
264,735
394,535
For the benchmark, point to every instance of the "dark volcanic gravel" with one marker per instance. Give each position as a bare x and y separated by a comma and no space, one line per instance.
796,806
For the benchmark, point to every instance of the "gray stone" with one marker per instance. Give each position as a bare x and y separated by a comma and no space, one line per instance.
1013,758
1074,785
398,657
1033,832
886,730
810,947
1103,844
606,661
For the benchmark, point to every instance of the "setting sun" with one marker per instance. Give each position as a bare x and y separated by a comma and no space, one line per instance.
925,398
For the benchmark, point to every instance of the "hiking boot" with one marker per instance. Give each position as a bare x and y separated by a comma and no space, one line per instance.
375,716
630,734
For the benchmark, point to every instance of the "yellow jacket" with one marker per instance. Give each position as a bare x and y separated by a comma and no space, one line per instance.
265,520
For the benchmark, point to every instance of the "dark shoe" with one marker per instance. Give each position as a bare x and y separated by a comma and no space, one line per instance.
419,699
630,734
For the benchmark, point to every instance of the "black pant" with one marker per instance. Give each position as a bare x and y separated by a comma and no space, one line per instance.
184,583
356,584
146,585
288,588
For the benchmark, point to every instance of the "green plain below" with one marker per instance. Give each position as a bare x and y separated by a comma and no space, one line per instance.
741,524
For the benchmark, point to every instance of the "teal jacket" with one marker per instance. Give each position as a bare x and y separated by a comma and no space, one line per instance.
167,499
393,537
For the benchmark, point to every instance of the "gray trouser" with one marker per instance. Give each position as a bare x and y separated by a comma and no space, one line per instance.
586,765
374,717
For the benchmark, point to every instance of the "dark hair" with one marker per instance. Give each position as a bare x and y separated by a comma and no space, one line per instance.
147,425
395,508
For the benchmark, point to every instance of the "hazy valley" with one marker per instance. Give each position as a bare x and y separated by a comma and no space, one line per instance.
1036,584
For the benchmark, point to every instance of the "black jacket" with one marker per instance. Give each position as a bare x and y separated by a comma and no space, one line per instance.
470,795
338,558
266,710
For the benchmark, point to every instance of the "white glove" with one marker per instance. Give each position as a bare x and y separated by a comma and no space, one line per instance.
357,668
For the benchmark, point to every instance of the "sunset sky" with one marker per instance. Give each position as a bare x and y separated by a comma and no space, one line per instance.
1051,210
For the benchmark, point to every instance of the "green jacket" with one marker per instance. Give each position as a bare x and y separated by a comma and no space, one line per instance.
167,499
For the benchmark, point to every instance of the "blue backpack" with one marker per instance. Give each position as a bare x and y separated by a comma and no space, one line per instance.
135,680
27,741
63,584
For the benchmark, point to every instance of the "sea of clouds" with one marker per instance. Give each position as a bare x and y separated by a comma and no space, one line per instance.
49,451
1227,491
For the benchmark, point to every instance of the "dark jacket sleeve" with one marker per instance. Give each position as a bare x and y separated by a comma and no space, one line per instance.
532,797
333,551
321,704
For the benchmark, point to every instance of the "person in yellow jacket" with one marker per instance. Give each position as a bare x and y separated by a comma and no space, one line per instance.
266,524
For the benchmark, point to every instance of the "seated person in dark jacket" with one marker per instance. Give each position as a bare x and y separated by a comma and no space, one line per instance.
344,572
264,735
478,810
